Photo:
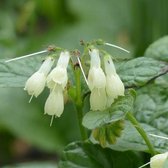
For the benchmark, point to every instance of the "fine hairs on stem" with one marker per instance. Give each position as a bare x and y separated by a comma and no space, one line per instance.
25,56
115,46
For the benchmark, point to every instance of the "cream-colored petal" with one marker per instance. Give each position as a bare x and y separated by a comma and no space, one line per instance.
57,76
98,99
114,86
46,66
63,59
95,58
35,84
55,102
109,65
157,161
110,100
96,78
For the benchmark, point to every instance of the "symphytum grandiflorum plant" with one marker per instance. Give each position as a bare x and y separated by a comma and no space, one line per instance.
109,125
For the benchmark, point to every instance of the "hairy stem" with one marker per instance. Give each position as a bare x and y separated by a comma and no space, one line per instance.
79,103
141,131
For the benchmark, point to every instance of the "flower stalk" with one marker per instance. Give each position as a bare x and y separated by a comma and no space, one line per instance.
141,131
79,103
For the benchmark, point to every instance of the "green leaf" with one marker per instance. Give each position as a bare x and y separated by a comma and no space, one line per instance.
33,165
87,155
15,74
28,122
117,111
158,49
151,106
139,71
151,110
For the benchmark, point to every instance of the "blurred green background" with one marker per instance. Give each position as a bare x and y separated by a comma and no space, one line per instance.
28,26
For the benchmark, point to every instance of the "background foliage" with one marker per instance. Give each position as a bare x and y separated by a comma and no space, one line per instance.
27,26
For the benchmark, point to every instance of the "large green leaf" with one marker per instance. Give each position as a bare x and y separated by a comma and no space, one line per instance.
138,71
151,106
87,155
117,111
158,49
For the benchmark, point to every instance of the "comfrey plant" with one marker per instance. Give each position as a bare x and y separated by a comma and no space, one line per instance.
103,90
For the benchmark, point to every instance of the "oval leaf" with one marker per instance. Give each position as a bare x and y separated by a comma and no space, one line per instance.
158,49
139,71
86,155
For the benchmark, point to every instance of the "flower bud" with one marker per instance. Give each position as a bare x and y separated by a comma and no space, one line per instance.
55,102
36,83
158,161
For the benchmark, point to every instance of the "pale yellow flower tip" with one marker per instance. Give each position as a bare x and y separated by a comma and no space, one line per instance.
114,86
158,161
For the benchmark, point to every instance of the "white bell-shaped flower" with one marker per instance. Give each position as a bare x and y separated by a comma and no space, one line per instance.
57,81
36,83
114,85
158,161
96,82
59,74
55,102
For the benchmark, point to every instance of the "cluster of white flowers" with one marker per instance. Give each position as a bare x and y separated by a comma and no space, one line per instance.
56,81
105,87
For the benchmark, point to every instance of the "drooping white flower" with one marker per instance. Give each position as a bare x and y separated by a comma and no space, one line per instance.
56,82
114,85
96,82
55,102
59,74
36,83
158,161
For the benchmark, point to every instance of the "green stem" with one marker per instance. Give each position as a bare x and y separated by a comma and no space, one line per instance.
139,128
79,103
